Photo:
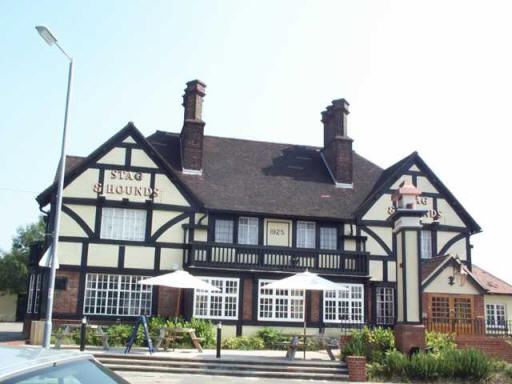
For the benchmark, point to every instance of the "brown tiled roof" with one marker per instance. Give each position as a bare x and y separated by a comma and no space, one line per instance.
262,177
429,266
71,163
491,282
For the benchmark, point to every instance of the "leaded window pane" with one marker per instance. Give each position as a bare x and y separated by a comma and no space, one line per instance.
426,244
223,231
123,224
328,238
248,230
305,234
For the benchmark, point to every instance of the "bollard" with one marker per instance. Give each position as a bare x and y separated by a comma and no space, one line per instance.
219,334
83,334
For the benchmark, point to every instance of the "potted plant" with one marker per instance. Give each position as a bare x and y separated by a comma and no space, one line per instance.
355,357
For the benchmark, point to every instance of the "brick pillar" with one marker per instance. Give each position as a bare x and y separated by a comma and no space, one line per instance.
356,368
408,336
167,298
247,299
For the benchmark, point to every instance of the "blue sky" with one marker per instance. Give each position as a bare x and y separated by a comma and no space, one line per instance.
433,77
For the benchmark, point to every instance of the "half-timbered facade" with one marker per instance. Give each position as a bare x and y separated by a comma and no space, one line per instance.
239,214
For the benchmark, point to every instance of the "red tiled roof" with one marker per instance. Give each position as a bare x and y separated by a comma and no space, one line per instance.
429,266
491,282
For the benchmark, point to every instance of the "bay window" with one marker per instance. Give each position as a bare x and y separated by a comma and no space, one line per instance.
248,230
306,234
280,304
345,306
119,295
123,224
221,304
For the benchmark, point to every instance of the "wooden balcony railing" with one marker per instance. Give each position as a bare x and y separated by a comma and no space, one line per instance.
255,257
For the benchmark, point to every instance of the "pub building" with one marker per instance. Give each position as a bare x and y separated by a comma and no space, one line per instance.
240,214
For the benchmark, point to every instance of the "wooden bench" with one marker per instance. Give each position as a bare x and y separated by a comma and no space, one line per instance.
168,336
67,331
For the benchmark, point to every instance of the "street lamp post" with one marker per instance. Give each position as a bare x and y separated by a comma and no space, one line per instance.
51,40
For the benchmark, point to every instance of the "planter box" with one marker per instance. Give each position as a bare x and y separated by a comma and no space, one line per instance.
356,368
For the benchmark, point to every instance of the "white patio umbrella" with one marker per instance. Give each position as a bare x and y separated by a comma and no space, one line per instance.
179,279
305,281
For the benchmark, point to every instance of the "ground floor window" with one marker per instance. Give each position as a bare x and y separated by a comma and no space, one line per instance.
119,295
385,303
34,293
495,314
221,304
280,304
345,306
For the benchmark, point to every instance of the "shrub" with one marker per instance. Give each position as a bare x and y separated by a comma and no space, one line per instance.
370,343
440,341
448,364
271,337
243,343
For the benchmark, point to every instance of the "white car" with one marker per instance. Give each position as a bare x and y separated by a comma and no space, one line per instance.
26,365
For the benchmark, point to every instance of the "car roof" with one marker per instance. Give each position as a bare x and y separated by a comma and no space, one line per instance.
16,360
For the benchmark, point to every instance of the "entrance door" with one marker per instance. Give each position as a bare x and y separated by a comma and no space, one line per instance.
450,314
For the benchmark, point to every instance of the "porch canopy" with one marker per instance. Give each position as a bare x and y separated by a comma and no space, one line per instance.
179,279
305,281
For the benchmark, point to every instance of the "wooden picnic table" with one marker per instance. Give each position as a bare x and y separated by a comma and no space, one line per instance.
67,331
296,344
169,335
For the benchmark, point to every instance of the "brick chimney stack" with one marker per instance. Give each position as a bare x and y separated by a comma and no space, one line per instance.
337,151
192,133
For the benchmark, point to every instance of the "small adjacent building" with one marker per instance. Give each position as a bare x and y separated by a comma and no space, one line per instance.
241,213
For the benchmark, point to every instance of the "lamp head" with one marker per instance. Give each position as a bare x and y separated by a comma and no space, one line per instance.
46,35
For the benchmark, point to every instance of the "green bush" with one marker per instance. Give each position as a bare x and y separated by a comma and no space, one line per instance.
243,343
448,364
271,337
440,341
373,344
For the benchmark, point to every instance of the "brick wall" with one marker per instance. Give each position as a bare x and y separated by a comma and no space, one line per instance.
315,306
167,301
491,346
66,300
247,299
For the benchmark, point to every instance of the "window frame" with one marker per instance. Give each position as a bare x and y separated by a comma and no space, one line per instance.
226,219
30,296
391,303
120,292
496,322
424,243
350,300
255,225
289,297
328,227
306,237
109,233
223,295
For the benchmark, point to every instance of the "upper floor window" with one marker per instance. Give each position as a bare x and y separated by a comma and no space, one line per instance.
123,224
223,231
426,244
248,230
328,238
306,234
